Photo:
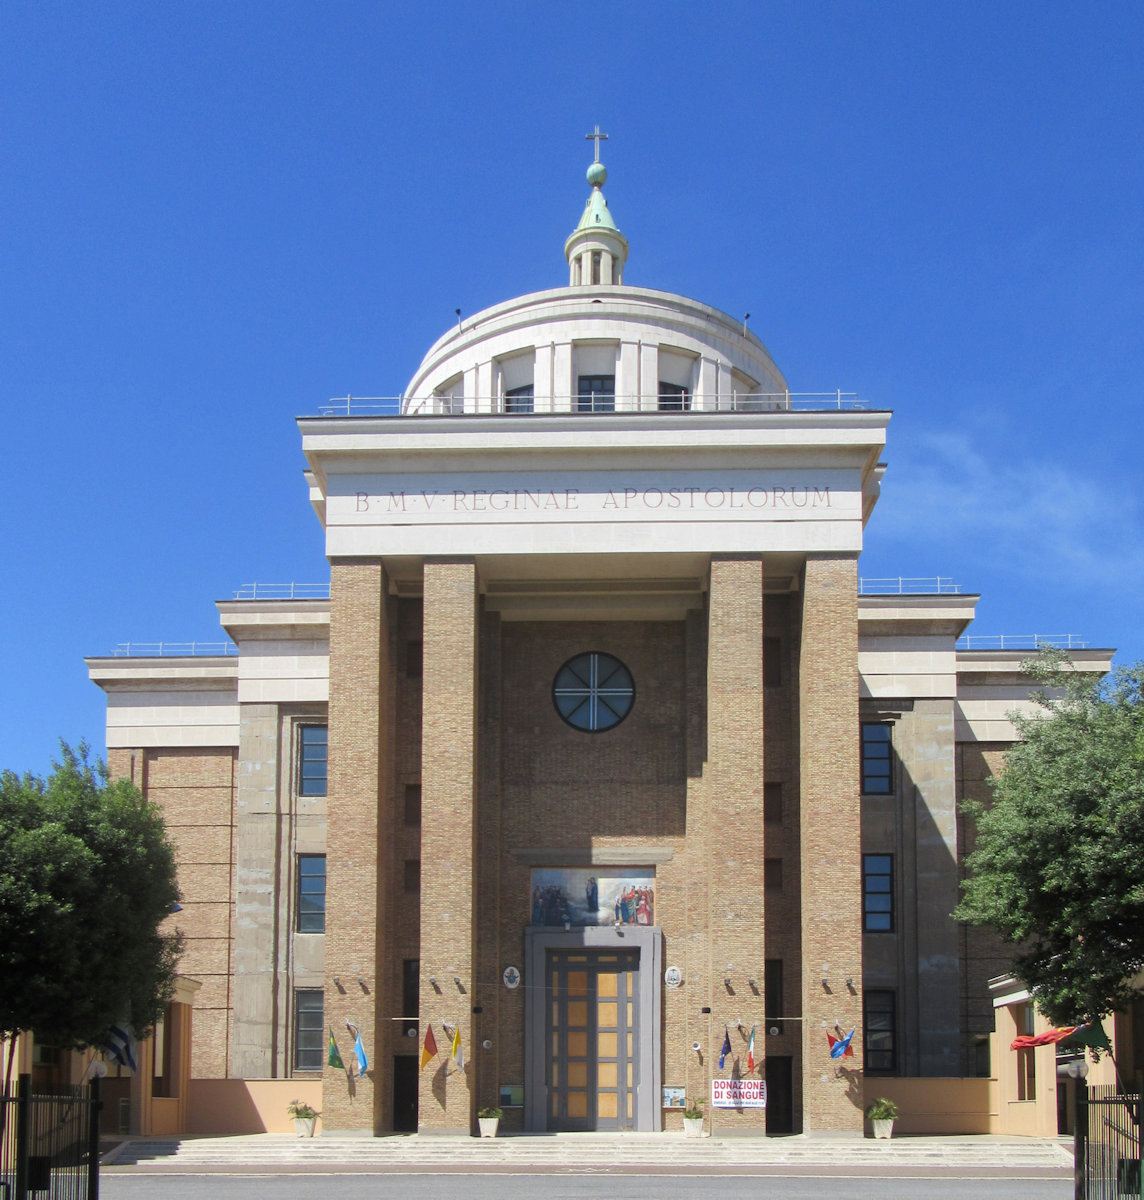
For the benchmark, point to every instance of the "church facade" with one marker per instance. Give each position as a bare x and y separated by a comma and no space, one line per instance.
597,768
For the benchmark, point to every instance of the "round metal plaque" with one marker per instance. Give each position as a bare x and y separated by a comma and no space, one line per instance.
511,978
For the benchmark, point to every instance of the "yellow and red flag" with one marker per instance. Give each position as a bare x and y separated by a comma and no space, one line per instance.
429,1050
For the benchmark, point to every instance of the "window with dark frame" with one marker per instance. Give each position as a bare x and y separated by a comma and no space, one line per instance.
772,803
313,756
878,893
308,1030
414,656
878,1038
877,775
673,397
596,393
519,399
412,804
311,894
772,662
413,876
410,995
773,989
1026,1058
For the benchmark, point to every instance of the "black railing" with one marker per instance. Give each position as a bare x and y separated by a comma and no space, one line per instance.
49,1144
1110,1145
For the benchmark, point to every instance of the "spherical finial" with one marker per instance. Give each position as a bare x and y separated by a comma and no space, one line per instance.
597,175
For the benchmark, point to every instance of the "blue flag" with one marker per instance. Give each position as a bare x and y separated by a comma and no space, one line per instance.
359,1052
725,1049
120,1045
840,1047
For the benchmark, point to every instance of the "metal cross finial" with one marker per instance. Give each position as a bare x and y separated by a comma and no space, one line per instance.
596,137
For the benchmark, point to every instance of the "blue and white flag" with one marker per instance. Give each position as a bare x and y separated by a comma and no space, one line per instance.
120,1045
359,1053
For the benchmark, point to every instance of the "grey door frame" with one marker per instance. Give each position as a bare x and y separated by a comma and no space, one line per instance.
648,940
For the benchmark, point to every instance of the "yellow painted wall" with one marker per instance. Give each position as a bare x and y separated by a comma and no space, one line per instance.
944,1106
222,1106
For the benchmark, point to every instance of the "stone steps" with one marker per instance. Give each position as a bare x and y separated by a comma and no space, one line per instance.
584,1150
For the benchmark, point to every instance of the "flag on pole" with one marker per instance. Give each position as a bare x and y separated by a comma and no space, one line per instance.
1091,1035
751,1051
429,1050
840,1046
359,1054
458,1053
334,1059
725,1049
120,1045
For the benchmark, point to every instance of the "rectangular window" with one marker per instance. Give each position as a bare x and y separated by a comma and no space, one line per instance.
772,662
773,988
308,1043
414,659
312,759
410,995
412,804
877,778
597,260
311,897
773,874
519,399
772,803
596,393
878,893
878,1032
413,876
673,397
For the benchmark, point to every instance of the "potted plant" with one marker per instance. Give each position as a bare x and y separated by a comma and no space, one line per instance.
881,1113
693,1117
304,1117
488,1118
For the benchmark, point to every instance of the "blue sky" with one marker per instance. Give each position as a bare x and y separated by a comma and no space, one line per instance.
215,216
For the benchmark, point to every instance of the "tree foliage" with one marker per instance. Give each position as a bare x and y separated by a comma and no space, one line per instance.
86,878
1058,867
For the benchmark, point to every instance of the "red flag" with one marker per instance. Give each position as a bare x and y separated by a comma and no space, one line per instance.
1043,1039
429,1050
840,1046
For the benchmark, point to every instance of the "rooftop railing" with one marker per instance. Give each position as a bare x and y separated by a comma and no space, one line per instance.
283,591
451,406
175,649
1021,641
936,585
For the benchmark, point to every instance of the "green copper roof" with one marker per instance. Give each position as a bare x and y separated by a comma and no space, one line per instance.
596,213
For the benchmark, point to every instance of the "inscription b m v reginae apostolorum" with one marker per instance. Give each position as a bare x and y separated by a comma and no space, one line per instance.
611,501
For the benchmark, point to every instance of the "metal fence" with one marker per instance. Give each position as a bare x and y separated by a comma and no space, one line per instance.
49,1144
1111,1154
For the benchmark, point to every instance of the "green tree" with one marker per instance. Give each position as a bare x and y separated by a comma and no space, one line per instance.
86,878
1058,867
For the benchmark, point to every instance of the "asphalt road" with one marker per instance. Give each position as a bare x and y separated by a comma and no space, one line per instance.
566,1184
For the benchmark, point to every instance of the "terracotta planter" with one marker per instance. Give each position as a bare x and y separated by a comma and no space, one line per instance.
883,1129
488,1126
304,1126
692,1126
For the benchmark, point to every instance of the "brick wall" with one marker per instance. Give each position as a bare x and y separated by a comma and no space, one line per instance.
830,841
359,804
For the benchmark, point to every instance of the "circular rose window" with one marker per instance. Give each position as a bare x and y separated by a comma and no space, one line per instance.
593,691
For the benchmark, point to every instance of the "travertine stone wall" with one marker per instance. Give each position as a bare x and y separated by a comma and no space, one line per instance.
983,955
830,842
256,1046
359,803
448,836
195,790
726,811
